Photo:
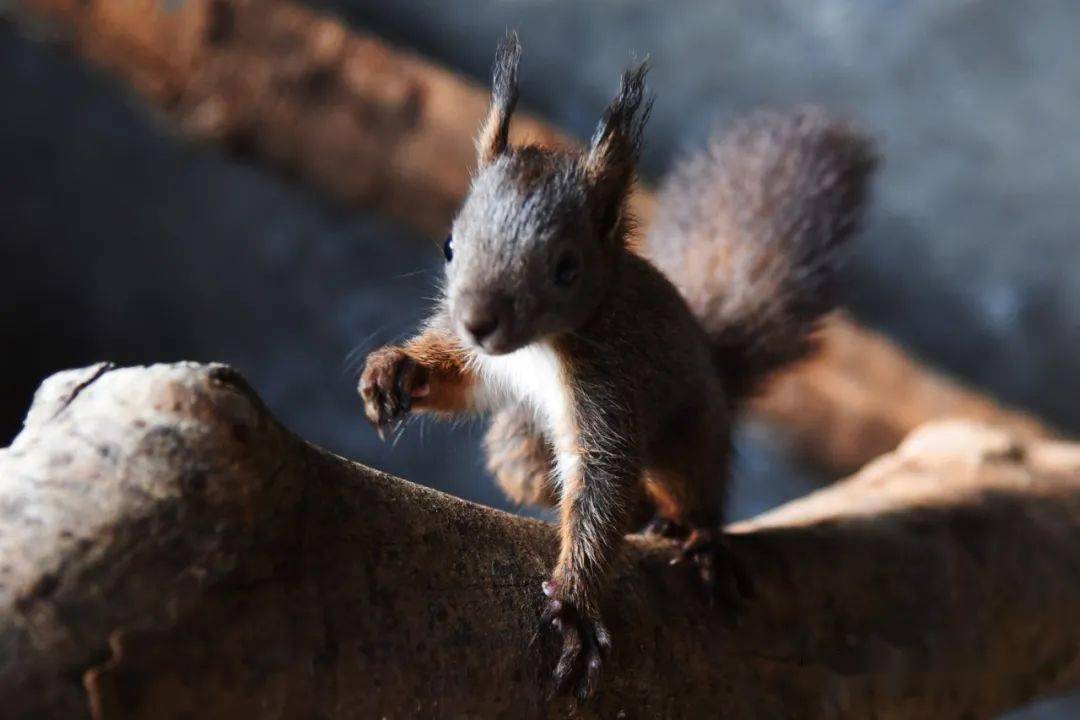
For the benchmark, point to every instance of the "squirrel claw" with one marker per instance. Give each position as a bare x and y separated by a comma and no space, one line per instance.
723,576
390,381
661,527
585,645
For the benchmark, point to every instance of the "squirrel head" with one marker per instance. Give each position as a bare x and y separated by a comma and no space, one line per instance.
532,251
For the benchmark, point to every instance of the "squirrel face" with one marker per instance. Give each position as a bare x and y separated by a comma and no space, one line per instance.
534,247
526,260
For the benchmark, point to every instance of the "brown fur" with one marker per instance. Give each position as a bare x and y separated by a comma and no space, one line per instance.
652,381
450,377
520,457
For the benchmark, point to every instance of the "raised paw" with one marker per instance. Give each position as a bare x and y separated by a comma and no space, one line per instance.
390,382
723,577
586,645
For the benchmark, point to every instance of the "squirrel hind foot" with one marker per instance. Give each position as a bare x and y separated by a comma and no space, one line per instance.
722,575
661,527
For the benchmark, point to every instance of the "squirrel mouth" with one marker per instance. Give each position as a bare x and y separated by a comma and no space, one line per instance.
499,342
496,346
491,333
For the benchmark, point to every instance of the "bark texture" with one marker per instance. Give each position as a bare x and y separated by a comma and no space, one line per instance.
373,126
170,551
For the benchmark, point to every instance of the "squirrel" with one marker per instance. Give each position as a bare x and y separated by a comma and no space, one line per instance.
614,375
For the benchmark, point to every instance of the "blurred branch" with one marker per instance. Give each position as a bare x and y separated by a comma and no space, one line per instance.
370,125
170,550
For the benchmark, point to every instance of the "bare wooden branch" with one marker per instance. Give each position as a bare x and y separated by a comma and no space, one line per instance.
373,126
169,550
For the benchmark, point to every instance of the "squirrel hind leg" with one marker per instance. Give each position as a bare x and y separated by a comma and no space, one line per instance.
522,460
688,491
688,475
521,457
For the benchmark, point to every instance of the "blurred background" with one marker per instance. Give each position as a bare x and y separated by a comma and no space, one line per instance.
121,241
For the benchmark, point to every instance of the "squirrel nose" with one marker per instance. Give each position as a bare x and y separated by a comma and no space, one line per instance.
481,323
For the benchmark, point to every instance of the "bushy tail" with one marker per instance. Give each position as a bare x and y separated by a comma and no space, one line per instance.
752,229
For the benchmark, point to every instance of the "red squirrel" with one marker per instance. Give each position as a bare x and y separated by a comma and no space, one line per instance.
614,376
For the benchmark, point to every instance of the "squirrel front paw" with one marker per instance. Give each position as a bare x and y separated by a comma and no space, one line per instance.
390,382
586,644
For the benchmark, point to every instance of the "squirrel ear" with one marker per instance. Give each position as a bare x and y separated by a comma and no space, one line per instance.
613,152
504,94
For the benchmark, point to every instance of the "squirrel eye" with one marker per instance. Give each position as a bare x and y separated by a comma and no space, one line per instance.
448,248
566,269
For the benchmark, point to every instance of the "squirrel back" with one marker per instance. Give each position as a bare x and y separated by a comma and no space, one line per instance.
752,230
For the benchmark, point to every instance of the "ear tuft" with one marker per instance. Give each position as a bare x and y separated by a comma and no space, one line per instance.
616,144
623,123
504,95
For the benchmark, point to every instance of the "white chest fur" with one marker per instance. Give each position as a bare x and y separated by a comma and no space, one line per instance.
535,376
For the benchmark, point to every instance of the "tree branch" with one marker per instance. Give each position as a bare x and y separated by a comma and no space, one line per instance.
370,125
169,550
